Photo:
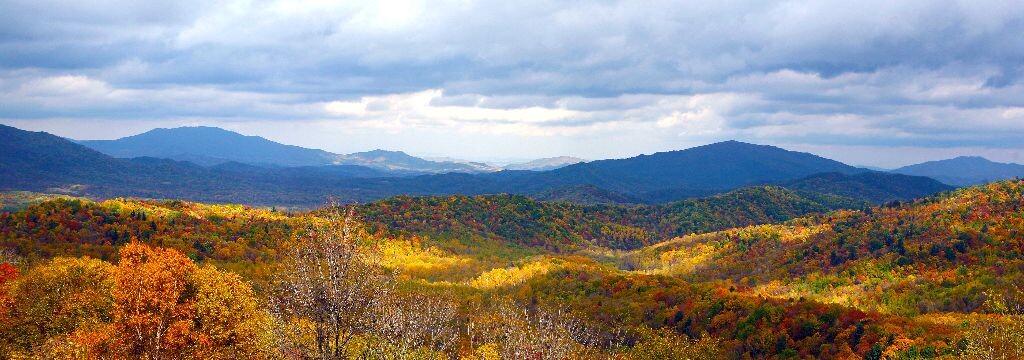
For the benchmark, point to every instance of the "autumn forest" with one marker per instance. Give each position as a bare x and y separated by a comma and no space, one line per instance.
757,273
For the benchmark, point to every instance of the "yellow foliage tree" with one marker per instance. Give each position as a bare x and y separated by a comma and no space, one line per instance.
55,299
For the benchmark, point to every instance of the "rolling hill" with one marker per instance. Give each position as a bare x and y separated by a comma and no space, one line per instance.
872,186
585,194
519,219
937,254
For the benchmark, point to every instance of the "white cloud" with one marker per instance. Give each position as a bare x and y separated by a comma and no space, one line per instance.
404,111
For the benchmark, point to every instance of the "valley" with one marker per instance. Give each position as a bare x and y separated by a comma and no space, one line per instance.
787,277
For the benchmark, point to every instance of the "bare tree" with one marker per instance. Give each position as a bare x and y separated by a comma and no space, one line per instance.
537,332
9,256
329,285
998,336
414,325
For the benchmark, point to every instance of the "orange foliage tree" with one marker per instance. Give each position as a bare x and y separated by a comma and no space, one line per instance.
148,304
165,306
154,304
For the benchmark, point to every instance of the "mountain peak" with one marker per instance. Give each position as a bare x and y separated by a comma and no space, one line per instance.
401,161
727,146
379,152
191,130
207,145
210,146
701,169
973,158
733,142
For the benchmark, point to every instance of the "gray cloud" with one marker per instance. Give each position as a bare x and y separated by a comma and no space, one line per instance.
878,74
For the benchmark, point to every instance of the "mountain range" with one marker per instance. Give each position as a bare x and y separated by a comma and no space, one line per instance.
43,162
210,146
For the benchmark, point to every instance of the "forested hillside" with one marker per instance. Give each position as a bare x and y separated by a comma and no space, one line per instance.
944,254
506,277
518,219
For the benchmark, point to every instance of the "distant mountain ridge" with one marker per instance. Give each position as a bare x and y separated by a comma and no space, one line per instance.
43,162
209,146
696,171
545,163
400,161
964,170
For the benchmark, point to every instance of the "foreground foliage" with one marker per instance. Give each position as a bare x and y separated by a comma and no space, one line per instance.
155,303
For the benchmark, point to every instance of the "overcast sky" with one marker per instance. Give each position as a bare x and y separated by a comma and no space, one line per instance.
882,83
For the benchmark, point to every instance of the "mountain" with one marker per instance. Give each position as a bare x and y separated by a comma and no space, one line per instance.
37,160
210,146
402,162
43,162
657,178
872,186
545,163
964,170
873,168
697,171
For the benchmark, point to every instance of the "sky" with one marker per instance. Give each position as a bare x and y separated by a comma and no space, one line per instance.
880,83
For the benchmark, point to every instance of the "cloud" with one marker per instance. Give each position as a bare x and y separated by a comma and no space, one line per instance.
664,73
425,108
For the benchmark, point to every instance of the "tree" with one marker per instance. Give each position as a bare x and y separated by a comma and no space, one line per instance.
54,299
537,332
666,344
232,323
151,309
411,323
329,284
1001,337
154,304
